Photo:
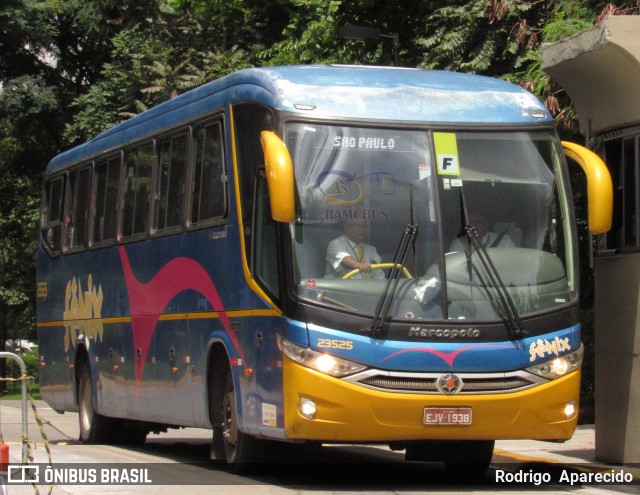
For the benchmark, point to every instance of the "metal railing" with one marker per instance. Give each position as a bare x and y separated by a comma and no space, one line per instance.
23,385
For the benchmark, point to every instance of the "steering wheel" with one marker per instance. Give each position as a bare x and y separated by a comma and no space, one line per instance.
375,267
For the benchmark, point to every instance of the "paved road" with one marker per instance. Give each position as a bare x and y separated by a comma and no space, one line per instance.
182,457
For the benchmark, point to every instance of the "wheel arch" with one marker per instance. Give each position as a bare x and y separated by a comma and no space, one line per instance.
80,360
218,363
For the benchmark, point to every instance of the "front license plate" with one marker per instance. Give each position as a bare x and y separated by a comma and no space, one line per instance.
448,416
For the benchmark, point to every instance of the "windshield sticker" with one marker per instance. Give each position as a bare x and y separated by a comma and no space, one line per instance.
345,190
424,170
446,153
269,415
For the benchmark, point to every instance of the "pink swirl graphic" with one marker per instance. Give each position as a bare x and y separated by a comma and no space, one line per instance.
147,301
448,357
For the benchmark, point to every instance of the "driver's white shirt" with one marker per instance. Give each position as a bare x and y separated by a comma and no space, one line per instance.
342,247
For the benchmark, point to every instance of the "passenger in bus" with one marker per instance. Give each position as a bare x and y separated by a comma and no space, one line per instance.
350,252
488,239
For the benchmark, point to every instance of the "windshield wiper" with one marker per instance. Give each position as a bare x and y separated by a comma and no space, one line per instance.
513,323
384,303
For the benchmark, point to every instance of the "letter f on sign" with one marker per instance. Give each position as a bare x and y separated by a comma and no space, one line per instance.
446,145
448,164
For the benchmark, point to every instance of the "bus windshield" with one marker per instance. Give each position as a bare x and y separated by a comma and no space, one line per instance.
502,193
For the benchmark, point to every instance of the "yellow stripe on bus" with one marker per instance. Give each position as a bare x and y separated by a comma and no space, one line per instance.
241,313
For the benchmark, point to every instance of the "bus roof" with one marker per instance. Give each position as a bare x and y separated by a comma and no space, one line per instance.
332,92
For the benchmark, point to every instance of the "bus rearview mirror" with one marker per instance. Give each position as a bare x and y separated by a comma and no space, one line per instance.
599,186
279,171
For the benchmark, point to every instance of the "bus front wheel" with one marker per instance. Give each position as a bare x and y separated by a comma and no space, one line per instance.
235,447
474,462
462,458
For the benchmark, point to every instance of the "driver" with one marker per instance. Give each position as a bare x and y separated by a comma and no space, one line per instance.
349,252
488,239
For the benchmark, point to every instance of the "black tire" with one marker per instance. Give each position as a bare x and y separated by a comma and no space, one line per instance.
474,461
94,428
239,450
129,432
464,459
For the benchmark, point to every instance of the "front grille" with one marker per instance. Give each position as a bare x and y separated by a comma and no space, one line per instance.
401,384
422,383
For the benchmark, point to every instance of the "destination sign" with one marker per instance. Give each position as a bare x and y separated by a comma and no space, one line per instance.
365,143
368,140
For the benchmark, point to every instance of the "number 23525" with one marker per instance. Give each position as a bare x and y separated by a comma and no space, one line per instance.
347,345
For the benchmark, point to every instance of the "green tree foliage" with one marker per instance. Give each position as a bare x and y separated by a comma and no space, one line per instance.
310,37
32,366
50,51
313,33
18,216
188,43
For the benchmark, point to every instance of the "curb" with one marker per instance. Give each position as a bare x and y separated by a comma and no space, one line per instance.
501,456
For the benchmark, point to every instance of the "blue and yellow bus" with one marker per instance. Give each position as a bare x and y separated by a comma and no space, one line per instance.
185,275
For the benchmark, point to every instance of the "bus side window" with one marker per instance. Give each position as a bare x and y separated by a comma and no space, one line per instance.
249,120
105,221
209,181
265,262
172,168
138,169
77,224
51,216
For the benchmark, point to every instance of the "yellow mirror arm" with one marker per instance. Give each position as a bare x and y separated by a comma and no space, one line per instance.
279,169
599,186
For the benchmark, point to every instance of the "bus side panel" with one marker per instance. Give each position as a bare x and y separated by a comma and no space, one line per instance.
171,367
268,372
55,376
110,365
147,404
151,365
200,331
62,316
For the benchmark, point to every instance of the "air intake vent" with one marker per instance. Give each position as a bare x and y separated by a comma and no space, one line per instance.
426,383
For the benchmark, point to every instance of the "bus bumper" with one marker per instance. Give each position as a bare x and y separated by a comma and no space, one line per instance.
346,412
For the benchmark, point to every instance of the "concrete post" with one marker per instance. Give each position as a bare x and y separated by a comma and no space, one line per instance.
617,350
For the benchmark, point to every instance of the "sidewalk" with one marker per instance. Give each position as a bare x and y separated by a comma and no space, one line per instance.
577,454
512,456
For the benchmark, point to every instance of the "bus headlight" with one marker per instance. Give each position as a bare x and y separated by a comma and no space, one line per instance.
322,362
559,366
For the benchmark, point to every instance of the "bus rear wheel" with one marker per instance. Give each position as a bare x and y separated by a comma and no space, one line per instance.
94,428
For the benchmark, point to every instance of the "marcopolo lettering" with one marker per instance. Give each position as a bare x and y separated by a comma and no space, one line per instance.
445,333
